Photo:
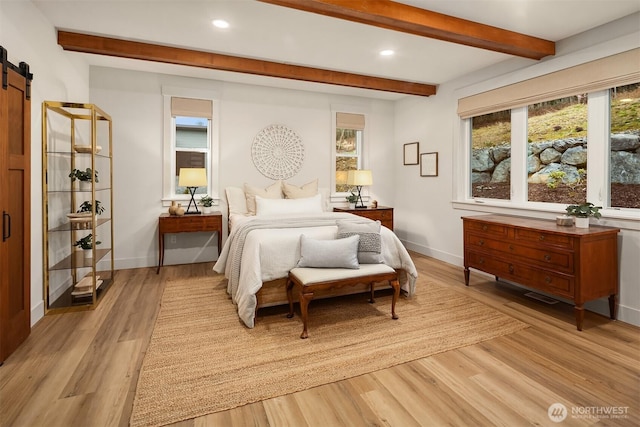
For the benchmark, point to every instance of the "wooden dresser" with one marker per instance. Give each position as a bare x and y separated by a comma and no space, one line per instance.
580,264
384,214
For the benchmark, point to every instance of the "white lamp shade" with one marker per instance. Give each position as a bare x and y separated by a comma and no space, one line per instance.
192,177
360,177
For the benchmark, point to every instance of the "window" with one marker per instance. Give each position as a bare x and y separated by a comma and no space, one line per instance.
190,141
557,150
348,147
624,146
491,155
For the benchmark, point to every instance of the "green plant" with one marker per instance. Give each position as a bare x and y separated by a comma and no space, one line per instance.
84,175
584,210
352,198
86,242
87,207
555,178
206,201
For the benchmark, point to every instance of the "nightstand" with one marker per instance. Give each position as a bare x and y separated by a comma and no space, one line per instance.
384,214
211,222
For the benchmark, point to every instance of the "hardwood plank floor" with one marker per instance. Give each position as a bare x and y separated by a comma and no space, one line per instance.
81,369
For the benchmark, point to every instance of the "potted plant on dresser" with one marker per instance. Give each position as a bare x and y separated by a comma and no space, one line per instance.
352,199
583,212
207,204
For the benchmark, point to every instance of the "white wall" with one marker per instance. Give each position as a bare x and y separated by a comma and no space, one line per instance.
427,219
134,101
29,37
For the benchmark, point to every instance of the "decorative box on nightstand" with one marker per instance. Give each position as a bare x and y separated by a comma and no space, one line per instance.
384,214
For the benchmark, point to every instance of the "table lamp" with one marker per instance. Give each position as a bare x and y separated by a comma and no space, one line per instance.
192,178
359,178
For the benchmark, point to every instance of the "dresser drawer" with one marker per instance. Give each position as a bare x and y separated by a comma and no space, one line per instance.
495,230
541,279
543,238
190,223
544,257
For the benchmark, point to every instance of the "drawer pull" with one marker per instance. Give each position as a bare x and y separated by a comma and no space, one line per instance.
481,242
547,257
547,279
510,268
485,228
511,248
541,237
481,261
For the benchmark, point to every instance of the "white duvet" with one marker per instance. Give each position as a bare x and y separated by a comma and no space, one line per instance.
264,248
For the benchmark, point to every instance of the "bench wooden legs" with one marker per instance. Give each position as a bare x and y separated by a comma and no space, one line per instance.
306,295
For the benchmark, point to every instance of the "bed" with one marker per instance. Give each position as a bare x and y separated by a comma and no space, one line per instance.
264,244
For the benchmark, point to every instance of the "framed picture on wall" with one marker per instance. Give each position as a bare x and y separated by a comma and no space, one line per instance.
411,151
429,164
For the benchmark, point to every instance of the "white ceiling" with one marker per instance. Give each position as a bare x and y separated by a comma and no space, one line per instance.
275,33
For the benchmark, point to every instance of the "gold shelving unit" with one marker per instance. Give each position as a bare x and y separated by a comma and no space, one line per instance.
76,136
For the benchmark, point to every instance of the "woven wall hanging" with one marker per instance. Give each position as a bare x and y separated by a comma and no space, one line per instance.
277,152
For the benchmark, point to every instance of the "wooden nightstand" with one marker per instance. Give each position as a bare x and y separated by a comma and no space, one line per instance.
211,222
382,213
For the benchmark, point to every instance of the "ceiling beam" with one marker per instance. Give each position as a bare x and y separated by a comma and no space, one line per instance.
409,19
79,42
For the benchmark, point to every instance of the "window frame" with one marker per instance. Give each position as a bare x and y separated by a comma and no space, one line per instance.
362,149
169,144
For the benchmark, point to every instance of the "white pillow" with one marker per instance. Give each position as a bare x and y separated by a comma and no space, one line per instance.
274,191
291,191
338,253
288,206
236,200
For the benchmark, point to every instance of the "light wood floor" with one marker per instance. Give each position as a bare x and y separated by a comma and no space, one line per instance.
80,369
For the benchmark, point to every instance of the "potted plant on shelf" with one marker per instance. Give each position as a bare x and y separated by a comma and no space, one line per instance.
583,212
86,206
84,177
86,244
207,203
352,199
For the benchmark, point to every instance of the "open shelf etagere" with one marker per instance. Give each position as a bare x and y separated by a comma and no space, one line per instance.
76,136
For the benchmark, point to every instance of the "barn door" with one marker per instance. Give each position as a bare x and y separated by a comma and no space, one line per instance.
15,190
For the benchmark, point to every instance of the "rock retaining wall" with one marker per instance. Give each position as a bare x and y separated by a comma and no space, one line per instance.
566,155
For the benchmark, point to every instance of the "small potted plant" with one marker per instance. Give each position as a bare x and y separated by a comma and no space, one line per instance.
86,206
86,244
352,199
84,176
583,212
207,203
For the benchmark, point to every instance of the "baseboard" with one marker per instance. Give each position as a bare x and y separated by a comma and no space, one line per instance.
439,255
37,312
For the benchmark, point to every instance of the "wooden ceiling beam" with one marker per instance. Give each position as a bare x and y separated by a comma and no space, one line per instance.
409,19
79,42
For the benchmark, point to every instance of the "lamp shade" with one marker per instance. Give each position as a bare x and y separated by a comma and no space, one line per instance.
360,177
192,177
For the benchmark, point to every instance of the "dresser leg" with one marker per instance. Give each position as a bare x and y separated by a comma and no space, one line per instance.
612,307
466,276
579,311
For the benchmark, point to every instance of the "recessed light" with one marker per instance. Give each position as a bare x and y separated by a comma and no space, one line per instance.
386,52
220,23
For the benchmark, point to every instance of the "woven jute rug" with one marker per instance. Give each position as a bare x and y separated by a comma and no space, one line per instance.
202,359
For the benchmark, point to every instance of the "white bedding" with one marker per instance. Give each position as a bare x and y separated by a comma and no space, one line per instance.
264,248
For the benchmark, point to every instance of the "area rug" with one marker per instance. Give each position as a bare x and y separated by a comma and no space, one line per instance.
201,359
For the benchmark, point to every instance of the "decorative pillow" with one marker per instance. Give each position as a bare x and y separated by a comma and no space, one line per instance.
274,191
370,246
337,253
288,206
236,200
294,192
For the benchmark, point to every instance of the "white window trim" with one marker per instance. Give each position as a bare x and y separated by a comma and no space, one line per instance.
597,179
336,197
168,137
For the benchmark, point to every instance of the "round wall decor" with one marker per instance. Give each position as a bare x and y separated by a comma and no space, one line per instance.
277,152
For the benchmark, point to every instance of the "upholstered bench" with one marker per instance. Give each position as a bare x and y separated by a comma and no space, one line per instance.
310,280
